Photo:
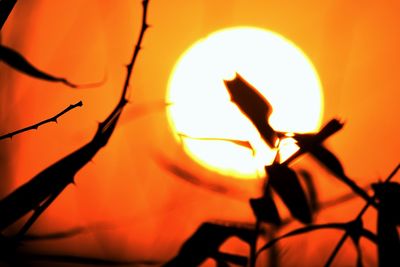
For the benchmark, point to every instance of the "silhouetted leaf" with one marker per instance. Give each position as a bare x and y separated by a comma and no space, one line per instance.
311,189
328,159
18,62
205,242
6,6
254,106
286,183
313,143
265,210
306,141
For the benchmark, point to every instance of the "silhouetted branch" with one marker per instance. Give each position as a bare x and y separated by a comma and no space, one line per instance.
49,183
359,217
303,230
312,143
37,125
6,6
253,245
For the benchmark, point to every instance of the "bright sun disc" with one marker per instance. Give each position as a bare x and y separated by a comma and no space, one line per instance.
201,108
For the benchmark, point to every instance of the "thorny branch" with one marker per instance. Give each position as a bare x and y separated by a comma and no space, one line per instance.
38,193
37,125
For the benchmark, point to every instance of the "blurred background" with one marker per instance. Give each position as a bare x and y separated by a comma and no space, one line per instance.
132,207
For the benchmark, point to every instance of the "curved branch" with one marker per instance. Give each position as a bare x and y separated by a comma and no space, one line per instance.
303,230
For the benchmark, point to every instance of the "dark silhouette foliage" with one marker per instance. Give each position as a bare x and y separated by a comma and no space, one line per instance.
301,199
286,183
302,203
254,106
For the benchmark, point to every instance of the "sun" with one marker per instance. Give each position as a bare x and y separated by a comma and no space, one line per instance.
201,113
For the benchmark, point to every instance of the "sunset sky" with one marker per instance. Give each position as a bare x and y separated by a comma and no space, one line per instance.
140,210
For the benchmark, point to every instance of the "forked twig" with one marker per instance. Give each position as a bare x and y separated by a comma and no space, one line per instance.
359,216
37,125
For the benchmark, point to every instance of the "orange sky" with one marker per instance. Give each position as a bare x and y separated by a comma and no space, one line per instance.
353,45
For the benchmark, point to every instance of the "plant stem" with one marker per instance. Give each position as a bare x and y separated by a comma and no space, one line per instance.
253,245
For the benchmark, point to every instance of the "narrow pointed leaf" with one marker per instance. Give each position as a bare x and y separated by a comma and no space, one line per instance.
253,105
311,189
286,183
329,129
18,62
328,159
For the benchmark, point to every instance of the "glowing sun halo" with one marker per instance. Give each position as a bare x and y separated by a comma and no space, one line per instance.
201,106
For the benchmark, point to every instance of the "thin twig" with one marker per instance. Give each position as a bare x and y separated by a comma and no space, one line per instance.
37,125
253,245
359,216
303,230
